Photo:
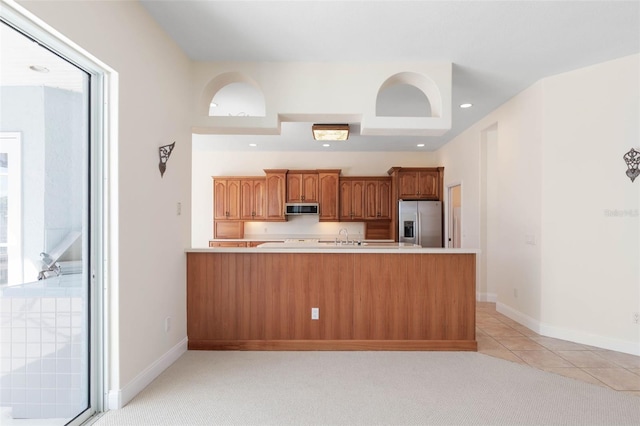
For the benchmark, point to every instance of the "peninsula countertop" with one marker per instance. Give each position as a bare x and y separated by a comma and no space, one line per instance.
368,247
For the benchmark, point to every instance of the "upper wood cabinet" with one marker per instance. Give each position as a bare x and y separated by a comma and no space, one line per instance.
416,184
365,198
226,199
302,186
253,199
377,199
328,183
351,199
275,194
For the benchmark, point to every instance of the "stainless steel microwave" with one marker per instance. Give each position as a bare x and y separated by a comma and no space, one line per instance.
301,208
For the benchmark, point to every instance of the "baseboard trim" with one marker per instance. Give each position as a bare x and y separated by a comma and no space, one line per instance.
121,397
487,297
569,335
334,345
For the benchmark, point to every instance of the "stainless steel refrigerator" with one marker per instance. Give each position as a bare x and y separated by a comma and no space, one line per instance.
420,222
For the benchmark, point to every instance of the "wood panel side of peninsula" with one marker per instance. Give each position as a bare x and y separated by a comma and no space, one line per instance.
377,301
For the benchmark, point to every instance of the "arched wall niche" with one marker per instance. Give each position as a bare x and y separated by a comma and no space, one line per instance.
400,82
235,94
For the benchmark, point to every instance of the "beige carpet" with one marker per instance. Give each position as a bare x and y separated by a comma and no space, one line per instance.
367,388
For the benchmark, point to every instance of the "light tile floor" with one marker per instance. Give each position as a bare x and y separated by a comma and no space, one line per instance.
504,338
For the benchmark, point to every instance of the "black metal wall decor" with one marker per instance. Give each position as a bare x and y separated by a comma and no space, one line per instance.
164,152
632,158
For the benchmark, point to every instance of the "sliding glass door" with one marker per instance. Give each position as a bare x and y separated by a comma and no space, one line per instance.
45,235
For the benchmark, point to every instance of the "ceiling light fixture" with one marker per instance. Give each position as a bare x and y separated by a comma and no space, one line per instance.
326,145
420,145
213,104
253,144
330,132
467,105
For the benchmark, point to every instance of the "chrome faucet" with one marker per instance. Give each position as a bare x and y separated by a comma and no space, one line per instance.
346,235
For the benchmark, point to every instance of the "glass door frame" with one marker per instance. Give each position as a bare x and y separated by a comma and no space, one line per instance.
103,183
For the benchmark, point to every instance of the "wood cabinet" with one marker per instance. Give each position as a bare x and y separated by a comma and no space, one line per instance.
302,186
275,194
419,184
365,198
230,229
377,199
213,244
226,199
352,191
377,230
329,184
253,199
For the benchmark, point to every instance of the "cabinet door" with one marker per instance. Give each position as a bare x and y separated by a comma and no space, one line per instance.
357,200
310,187
275,196
328,196
294,187
246,200
233,199
428,185
408,184
371,199
384,200
219,199
345,200
226,199
259,199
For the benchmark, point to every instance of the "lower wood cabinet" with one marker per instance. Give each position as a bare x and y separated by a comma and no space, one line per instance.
227,244
263,301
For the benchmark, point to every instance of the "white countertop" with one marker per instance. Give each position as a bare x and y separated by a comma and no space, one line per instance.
390,248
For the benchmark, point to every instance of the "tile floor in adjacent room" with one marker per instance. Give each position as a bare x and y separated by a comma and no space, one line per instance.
501,337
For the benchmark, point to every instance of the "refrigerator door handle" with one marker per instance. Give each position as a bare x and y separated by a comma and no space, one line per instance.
419,230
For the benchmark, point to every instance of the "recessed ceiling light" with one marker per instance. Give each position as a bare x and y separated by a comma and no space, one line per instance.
39,68
420,145
467,105
253,144
325,144
213,104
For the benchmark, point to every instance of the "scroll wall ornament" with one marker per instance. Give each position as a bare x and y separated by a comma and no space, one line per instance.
164,152
632,158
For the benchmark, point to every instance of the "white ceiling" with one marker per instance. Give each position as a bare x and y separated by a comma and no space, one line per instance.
498,48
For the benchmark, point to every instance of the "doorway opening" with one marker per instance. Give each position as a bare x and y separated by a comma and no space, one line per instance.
455,216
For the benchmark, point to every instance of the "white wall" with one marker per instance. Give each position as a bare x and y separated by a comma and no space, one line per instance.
590,258
555,261
208,162
154,110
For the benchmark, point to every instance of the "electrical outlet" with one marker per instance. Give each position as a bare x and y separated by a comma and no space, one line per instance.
315,313
167,324
636,318
178,208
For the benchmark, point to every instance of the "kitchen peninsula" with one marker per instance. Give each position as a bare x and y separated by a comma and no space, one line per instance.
370,297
